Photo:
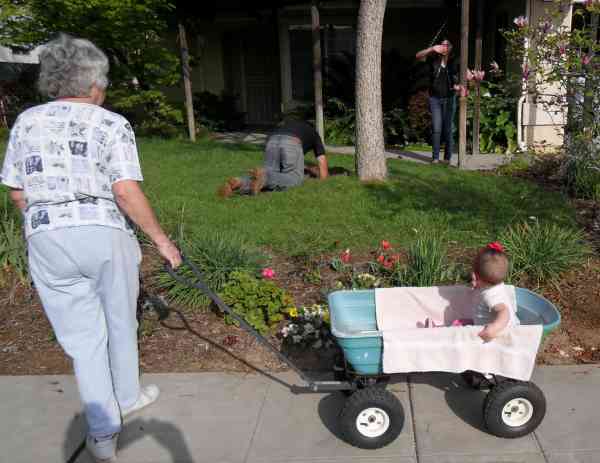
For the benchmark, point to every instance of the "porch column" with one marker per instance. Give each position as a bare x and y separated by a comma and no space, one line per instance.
317,70
285,64
478,66
464,62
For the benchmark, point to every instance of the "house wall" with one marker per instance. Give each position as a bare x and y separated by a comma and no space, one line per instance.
542,125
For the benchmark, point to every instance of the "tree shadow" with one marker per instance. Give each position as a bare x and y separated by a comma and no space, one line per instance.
463,199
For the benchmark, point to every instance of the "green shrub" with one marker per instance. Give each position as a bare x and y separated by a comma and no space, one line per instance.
4,132
260,302
216,256
582,168
13,257
541,253
149,112
426,264
217,112
419,116
340,123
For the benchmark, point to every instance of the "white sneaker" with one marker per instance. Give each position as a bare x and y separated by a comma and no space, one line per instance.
148,395
103,451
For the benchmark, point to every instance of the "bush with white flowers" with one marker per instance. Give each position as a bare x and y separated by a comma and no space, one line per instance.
308,327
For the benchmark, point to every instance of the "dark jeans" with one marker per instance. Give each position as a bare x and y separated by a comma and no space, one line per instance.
442,116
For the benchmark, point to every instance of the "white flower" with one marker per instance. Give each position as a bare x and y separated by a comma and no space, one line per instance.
318,344
309,328
297,339
285,331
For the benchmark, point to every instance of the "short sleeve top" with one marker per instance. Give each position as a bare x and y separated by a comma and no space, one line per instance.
65,156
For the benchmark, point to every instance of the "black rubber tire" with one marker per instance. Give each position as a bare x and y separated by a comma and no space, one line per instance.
367,398
504,392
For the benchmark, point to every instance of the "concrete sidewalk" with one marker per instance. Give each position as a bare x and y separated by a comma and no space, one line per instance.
228,418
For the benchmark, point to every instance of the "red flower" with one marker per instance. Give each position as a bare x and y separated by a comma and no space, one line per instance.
385,245
268,273
388,264
496,246
395,258
345,256
381,259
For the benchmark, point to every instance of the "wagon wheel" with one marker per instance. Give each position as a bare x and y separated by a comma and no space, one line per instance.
514,409
371,418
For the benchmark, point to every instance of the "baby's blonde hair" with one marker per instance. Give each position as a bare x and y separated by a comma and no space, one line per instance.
491,265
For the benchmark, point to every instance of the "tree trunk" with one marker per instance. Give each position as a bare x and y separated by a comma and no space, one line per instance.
185,67
370,149
464,62
589,93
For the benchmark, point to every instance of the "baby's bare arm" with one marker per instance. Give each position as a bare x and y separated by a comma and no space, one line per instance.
493,329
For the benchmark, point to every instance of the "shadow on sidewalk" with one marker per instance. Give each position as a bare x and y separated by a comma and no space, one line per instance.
465,402
164,433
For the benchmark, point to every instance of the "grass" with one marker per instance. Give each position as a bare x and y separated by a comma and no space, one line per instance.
181,179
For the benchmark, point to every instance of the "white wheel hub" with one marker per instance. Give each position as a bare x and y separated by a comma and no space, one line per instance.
372,422
517,412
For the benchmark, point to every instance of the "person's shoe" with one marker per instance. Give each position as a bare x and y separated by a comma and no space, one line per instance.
229,187
446,162
259,178
103,450
435,161
148,395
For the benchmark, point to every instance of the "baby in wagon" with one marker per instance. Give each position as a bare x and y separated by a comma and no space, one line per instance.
495,307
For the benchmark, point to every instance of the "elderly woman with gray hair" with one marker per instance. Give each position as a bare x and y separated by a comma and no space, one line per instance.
72,168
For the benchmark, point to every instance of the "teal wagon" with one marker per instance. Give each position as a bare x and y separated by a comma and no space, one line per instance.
373,417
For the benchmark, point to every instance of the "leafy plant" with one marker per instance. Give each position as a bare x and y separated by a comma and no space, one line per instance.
395,127
340,123
217,112
13,257
419,116
426,264
582,168
497,122
216,256
542,252
260,302
149,112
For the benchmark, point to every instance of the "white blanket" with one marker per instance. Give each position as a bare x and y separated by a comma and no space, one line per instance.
409,348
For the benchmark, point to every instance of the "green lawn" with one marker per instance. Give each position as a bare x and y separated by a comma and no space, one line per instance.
181,179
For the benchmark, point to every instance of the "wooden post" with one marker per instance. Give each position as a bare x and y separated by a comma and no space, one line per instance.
464,62
317,70
478,58
187,85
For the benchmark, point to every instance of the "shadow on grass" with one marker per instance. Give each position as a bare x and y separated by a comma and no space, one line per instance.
464,198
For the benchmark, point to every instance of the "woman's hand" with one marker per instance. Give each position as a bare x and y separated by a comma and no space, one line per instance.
440,49
169,252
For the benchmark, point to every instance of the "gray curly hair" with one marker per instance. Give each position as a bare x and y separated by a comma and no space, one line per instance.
70,66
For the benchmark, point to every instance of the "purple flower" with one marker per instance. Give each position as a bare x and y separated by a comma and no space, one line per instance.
586,59
520,21
526,71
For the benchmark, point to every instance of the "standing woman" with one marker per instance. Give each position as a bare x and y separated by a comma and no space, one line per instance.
443,84
72,168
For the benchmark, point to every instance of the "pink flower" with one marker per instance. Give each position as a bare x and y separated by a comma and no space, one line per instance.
464,91
586,59
388,264
268,273
546,26
494,68
381,259
520,21
470,75
562,49
478,75
385,245
345,256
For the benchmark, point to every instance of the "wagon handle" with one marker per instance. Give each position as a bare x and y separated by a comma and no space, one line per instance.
202,286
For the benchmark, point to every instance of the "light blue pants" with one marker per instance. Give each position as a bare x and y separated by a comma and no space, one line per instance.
88,280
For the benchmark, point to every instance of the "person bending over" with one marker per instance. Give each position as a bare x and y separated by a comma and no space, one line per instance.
284,161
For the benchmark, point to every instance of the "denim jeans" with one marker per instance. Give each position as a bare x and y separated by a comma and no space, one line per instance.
284,164
87,279
442,116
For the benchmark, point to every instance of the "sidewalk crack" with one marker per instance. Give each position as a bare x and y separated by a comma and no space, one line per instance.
412,417
258,418
538,443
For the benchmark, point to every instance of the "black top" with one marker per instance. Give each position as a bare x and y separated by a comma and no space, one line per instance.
442,78
306,133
